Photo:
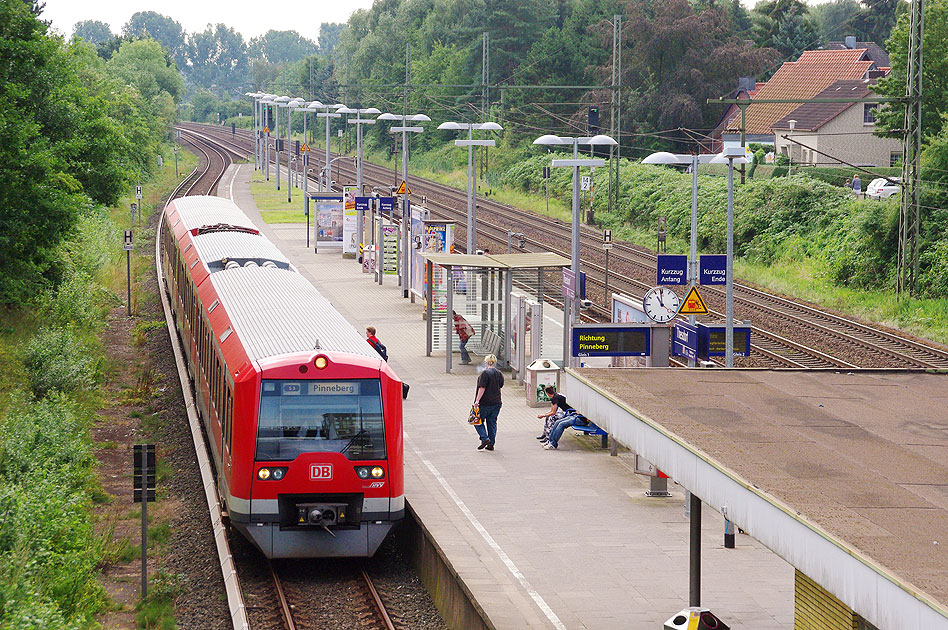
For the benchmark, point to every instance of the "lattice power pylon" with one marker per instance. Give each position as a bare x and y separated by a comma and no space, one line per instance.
909,216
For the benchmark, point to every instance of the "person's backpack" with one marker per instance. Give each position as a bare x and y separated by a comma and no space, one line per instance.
381,349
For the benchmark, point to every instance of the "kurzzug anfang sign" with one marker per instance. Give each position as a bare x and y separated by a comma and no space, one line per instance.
672,269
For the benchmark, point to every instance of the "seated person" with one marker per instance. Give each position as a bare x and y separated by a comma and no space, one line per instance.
559,409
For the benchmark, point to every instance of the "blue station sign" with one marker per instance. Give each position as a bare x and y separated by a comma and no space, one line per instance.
712,340
386,204
612,340
362,203
712,269
672,269
685,341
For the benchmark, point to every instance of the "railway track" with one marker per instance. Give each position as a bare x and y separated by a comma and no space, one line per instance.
808,337
298,591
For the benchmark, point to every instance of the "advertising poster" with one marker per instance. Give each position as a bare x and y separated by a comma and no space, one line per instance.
417,264
350,244
328,214
627,310
390,250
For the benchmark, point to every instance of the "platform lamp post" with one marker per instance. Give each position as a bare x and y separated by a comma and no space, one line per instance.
290,106
793,125
328,112
278,102
265,103
358,121
731,154
470,143
575,163
405,129
254,98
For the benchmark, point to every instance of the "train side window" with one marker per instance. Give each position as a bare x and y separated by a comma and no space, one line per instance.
228,418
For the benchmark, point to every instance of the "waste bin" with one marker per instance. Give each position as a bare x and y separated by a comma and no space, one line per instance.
695,618
540,374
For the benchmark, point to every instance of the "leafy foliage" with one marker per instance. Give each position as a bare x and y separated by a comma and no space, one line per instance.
93,31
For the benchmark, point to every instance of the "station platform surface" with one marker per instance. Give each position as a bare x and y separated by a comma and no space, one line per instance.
859,456
543,539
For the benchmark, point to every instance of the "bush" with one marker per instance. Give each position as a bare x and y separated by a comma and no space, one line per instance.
57,361
49,551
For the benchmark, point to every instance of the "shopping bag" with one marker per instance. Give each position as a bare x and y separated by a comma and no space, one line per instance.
475,416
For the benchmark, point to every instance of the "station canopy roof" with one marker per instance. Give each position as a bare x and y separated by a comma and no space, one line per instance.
499,261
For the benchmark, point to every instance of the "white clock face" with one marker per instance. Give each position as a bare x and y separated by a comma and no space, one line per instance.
661,304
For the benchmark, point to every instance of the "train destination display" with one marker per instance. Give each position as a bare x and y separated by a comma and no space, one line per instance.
611,340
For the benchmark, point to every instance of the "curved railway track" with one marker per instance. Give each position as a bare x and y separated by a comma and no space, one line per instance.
842,342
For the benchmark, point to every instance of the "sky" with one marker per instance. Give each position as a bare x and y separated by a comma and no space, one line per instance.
246,17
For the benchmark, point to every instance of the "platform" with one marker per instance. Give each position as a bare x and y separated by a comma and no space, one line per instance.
842,472
543,539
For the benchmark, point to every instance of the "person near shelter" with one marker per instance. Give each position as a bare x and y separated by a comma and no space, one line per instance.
569,420
559,409
375,343
487,399
464,331
857,184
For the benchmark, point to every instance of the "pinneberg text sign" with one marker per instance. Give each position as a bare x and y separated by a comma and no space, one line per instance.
713,269
611,340
672,269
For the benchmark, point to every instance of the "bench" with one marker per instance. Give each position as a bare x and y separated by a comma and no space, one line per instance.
592,429
488,343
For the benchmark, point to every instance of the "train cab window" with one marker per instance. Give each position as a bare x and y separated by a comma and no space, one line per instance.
298,416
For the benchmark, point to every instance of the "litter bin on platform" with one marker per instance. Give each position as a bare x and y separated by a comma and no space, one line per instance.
695,618
541,374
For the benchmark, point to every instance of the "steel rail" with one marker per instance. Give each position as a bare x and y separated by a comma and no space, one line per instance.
377,600
281,596
235,600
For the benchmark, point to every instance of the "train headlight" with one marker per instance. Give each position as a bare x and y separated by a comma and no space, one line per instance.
321,362
370,472
275,474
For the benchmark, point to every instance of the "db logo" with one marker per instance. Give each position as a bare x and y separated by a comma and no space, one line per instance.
320,471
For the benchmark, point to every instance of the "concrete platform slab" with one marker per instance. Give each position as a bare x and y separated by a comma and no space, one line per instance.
544,539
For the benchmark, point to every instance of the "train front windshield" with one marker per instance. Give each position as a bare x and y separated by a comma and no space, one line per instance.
298,416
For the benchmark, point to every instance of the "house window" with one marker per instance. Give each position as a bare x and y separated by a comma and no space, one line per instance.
869,113
895,158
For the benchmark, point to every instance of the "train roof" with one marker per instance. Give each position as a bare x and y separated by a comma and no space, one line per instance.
274,312
201,211
217,249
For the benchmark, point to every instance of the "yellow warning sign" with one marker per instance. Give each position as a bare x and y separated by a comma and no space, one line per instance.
304,148
403,189
266,129
693,304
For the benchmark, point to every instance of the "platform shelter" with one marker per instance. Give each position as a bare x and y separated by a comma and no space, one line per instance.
480,289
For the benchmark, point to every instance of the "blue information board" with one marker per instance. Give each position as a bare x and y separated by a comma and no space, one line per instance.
712,340
612,340
672,269
386,204
712,269
685,341
362,203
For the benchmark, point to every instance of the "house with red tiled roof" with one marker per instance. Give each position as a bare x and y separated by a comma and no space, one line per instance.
831,134
804,78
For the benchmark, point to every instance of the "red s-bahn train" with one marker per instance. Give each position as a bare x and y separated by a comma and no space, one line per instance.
303,417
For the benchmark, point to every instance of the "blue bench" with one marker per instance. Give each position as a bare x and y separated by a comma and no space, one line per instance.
592,429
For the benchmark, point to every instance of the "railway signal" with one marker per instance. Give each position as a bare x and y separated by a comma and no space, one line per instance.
144,473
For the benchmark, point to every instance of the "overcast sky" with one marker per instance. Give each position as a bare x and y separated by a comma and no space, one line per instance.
248,18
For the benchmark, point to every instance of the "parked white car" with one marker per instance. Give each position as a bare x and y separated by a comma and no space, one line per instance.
882,188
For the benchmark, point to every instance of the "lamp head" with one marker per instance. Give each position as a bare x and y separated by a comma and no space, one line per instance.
420,118
549,140
601,140
371,110
452,126
388,116
488,126
662,157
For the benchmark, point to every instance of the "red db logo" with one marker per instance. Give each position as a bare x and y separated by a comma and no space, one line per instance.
320,471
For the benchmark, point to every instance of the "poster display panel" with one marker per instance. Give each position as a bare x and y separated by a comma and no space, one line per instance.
627,310
390,250
329,217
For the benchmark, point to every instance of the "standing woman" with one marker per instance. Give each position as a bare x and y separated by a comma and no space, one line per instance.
488,400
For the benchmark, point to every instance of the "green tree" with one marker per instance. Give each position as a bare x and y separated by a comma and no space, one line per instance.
162,29
769,15
218,60
329,37
794,35
875,22
92,31
281,47
934,71
834,20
